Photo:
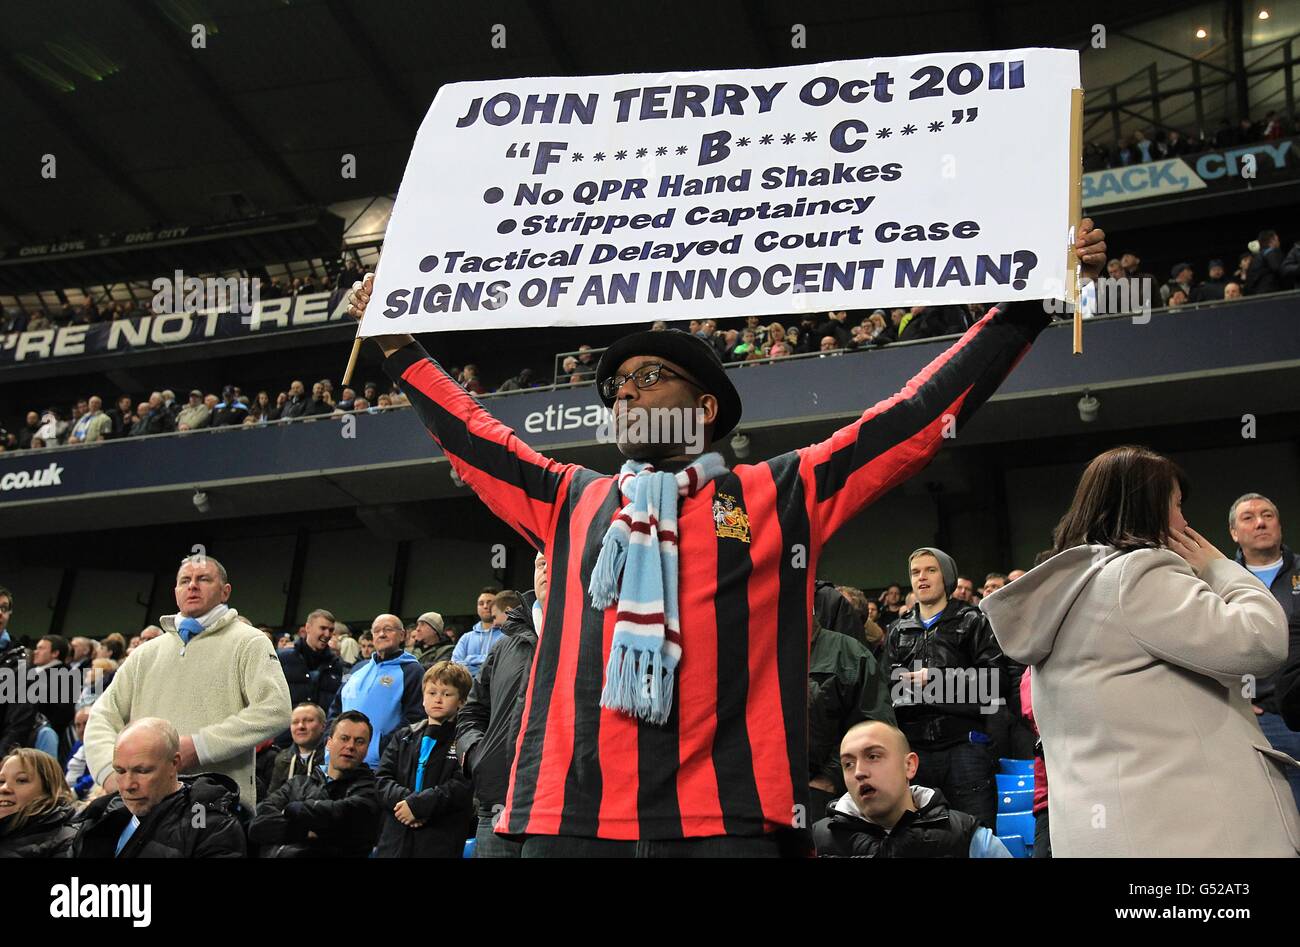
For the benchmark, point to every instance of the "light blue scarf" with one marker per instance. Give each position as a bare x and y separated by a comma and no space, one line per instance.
641,544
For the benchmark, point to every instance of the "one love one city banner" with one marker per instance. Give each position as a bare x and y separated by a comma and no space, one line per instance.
612,199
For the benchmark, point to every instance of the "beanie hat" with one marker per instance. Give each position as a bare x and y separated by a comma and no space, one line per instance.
433,620
946,566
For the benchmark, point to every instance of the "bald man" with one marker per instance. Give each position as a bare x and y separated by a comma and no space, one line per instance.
156,812
386,688
884,816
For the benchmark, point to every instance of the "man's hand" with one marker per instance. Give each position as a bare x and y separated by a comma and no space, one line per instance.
189,755
1091,249
358,299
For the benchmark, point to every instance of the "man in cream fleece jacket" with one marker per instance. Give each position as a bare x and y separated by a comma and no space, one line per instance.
213,676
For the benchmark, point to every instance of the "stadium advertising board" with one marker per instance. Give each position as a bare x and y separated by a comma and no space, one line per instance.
1210,171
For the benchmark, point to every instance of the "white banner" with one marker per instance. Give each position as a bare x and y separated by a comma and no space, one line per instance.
612,199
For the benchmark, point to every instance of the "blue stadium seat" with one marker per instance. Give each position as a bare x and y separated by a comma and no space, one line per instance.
1018,800
1016,823
1016,767
1015,845
470,845
1009,782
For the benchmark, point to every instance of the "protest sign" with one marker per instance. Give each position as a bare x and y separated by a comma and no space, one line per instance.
613,199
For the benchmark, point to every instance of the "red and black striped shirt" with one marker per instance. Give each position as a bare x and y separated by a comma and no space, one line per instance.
732,758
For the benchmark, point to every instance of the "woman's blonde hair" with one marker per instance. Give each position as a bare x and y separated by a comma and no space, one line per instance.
54,788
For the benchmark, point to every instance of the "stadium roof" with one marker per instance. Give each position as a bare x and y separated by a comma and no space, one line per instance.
147,130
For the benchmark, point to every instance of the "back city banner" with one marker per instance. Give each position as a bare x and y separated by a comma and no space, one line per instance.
1211,171
160,330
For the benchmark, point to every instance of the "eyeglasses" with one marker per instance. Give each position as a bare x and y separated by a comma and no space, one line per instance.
6,608
647,376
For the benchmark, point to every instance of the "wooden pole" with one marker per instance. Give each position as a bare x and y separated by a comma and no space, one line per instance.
352,359
1072,269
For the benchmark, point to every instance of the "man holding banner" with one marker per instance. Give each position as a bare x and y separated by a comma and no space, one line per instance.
666,710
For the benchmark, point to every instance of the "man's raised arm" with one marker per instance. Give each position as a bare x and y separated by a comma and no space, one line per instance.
895,438
518,484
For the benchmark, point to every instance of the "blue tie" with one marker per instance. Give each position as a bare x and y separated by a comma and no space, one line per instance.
126,835
189,627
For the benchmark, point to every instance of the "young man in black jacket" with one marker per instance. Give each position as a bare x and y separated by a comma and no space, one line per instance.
946,675
326,812
155,813
884,816
426,800
313,670
489,723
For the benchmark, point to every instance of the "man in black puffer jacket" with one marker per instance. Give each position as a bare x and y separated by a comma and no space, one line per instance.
946,674
332,814
17,718
312,668
884,816
489,722
155,813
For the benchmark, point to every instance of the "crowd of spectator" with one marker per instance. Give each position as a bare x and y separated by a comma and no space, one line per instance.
399,741
86,422
1143,147
370,699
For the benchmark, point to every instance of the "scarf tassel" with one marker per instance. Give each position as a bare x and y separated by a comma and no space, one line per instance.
609,566
626,676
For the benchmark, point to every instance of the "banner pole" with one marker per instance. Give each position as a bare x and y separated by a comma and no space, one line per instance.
1073,287
352,359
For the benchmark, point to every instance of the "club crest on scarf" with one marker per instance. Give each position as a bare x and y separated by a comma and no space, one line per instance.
637,567
730,518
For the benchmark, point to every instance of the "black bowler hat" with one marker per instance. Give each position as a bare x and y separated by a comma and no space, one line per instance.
697,357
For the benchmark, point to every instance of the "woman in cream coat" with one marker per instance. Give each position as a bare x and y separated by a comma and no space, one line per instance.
1145,641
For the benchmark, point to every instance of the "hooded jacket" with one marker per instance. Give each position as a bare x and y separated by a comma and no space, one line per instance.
342,814
960,639
388,692
170,829
488,724
48,835
444,802
845,686
931,830
288,764
473,647
1138,670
